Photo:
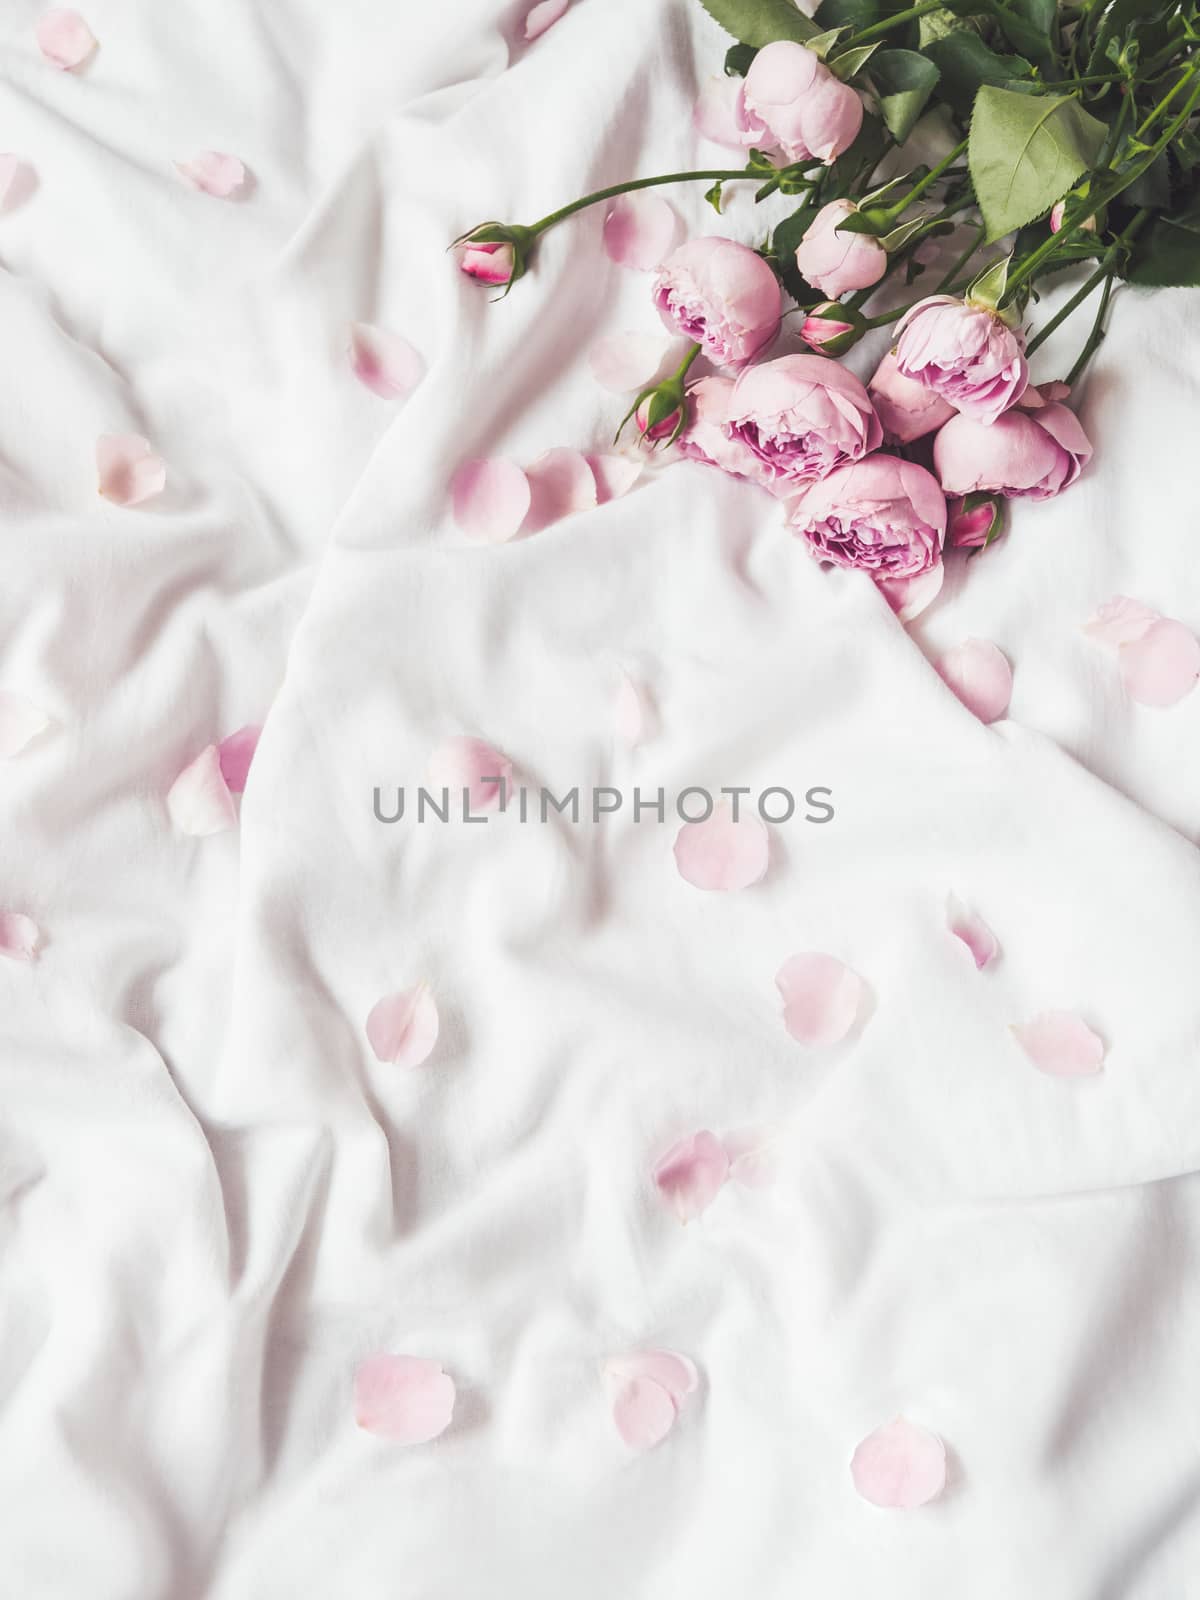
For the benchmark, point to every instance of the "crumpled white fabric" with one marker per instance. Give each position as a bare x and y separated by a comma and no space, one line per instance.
214,1201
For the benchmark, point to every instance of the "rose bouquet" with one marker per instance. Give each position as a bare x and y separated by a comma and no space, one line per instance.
1073,135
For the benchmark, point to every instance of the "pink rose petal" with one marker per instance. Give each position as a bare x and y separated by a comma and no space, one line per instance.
213,172
974,932
384,362
560,484
235,755
715,114
979,674
644,1413
64,38
402,1029
640,231
721,853
623,362
633,713
614,476
471,764
19,936
1120,621
20,723
403,1398
491,499
543,16
821,998
1062,1044
900,1466
908,597
675,1373
129,471
689,1177
199,802
755,1166
1161,666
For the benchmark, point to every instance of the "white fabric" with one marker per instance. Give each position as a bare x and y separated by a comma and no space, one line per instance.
215,1202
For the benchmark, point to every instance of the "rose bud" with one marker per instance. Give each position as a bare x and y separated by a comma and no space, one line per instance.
965,352
662,427
907,409
722,296
791,102
832,329
707,438
972,522
836,262
883,515
1056,219
802,416
495,252
1023,454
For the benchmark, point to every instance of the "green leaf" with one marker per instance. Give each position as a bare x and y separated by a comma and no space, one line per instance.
1153,188
738,59
759,22
852,61
966,64
1026,152
1167,253
1030,26
784,243
899,237
903,81
822,43
713,196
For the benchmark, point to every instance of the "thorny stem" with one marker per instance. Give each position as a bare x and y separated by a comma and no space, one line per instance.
627,188
1103,271
1095,338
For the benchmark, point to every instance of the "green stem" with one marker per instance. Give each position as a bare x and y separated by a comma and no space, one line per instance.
1103,271
962,260
879,29
627,188
930,178
1165,102
681,371
886,317
1094,339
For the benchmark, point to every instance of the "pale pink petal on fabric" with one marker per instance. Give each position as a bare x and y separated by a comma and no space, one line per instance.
491,499
561,483
900,1466
908,597
542,17
633,713
640,231
64,38
20,723
822,998
675,1373
235,755
9,167
721,853
402,1029
753,1158
614,476
1062,1044
199,802
689,1177
1120,621
974,932
623,362
384,362
979,674
128,469
1163,665
213,172
644,1413
403,1398
474,765
19,936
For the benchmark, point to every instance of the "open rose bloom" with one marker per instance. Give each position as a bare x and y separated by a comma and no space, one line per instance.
883,515
967,355
722,296
1025,454
801,417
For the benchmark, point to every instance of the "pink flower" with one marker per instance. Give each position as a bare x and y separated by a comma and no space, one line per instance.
966,353
720,295
489,262
1023,454
791,102
1056,219
971,526
883,515
802,416
823,325
836,262
707,439
906,408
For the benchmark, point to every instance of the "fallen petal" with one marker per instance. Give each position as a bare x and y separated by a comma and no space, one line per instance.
213,172
721,853
754,1167
821,998
403,1398
384,362
402,1029
19,936
561,483
633,713
543,16
614,476
644,1413
199,802
1120,621
900,1466
974,932
64,38
675,1373
471,764
1161,666
691,1174
491,499
235,755
128,469
979,674
640,231
623,362
908,597
20,723
1062,1044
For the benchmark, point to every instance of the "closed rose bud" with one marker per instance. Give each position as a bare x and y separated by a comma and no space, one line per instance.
970,526
791,102
964,352
1056,219
722,296
826,325
490,263
655,432
835,263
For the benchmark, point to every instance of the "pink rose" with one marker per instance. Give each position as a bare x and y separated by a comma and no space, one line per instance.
824,324
802,416
490,263
707,438
791,102
971,527
966,353
722,296
836,262
1023,454
883,515
907,409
